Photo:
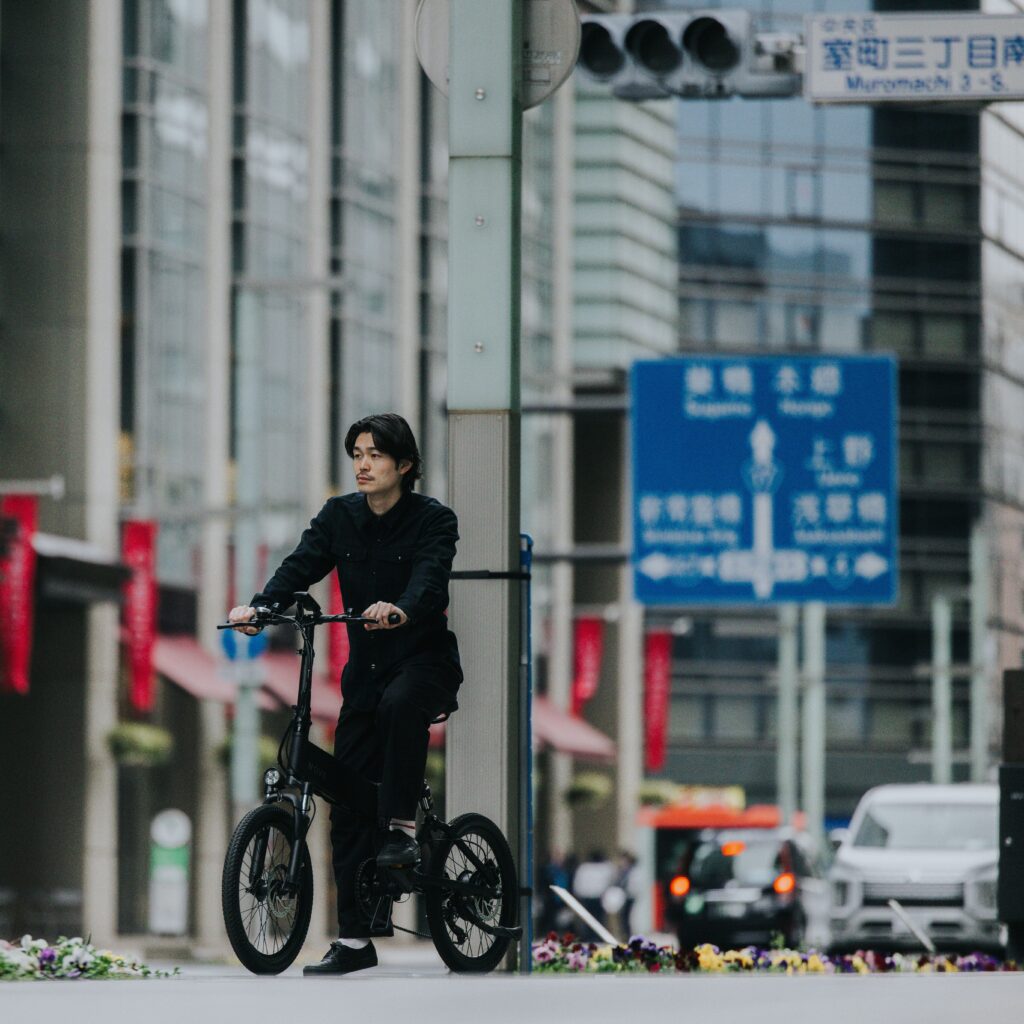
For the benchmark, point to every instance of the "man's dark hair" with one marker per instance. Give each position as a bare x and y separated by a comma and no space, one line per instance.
394,437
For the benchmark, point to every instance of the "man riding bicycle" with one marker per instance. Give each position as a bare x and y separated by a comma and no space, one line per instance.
393,550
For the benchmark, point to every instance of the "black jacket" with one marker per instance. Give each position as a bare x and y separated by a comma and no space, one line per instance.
403,557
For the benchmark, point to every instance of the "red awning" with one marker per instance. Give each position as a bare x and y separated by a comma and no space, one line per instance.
282,681
560,731
567,734
185,662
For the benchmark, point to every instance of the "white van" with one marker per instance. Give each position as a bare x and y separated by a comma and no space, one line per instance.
933,849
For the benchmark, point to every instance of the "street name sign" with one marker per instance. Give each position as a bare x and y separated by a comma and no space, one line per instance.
867,58
759,480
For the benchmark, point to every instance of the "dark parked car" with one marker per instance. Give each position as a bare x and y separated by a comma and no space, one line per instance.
746,887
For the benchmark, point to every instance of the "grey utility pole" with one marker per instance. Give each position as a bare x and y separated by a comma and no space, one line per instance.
485,128
788,710
248,672
979,654
814,719
942,688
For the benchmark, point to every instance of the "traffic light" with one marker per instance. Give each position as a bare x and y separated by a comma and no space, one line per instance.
697,54
604,57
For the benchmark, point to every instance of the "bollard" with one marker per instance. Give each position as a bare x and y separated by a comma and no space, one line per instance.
1010,890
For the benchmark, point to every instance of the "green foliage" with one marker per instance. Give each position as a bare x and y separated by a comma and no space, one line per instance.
266,751
657,792
38,960
588,791
138,744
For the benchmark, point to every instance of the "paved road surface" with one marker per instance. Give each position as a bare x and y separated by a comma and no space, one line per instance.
412,987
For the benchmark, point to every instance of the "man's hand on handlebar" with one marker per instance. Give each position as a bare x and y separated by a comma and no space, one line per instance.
241,614
382,611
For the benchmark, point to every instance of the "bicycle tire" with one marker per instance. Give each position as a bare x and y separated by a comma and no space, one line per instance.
480,952
254,917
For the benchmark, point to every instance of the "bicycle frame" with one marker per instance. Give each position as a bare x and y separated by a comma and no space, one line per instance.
314,771
309,768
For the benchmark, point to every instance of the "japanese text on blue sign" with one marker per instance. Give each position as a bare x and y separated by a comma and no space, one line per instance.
759,480
872,57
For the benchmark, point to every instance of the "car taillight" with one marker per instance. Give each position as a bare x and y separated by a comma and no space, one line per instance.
733,848
679,886
786,882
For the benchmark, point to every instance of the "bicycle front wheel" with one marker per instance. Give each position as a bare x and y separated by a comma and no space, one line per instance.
265,922
478,855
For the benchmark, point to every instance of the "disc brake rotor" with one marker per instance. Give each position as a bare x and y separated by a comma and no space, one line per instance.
281,904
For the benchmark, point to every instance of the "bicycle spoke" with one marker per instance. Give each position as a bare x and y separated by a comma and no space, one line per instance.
470,857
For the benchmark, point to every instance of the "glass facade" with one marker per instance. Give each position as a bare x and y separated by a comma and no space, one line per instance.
1002,355
433,293
624,287
365,168
846,230
164,211
270,242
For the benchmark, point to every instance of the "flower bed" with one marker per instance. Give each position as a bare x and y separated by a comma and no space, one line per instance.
566,954
36,959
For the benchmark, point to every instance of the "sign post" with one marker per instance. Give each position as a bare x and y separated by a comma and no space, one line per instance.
769,481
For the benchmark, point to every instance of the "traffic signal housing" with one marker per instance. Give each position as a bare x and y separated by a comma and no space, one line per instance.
711,54
604,57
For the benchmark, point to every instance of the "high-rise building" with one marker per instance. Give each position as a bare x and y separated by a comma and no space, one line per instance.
226,236
855,229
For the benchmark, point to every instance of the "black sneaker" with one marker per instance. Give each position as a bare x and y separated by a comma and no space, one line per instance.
341,959
400,850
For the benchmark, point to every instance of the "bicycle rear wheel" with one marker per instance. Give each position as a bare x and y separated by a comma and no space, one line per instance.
478,855
265,924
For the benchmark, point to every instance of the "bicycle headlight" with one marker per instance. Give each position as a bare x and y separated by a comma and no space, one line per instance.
272,777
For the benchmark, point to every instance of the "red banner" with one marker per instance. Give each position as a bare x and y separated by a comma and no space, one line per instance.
138,552
587,670
337,644
657,693
17,580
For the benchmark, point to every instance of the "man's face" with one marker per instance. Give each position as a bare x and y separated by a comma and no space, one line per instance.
376,473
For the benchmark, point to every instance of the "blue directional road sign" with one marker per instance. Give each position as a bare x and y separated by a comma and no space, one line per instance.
239,650
759,480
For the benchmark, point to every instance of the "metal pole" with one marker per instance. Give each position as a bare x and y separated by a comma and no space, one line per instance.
484,73
942,689
814,719
526,855
244,750
979,644
788,711
561,602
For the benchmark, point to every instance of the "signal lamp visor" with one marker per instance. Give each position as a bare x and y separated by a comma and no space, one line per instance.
708,41
598,52
652,48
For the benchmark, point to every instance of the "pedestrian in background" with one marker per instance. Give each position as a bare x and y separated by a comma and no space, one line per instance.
591,881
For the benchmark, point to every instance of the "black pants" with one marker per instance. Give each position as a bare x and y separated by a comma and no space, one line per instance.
384,753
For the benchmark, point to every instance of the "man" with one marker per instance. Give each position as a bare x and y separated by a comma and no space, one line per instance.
393,551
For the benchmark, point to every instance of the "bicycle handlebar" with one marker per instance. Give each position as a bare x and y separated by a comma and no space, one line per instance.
265,617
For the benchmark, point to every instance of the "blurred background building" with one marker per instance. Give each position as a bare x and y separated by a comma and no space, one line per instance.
220,218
